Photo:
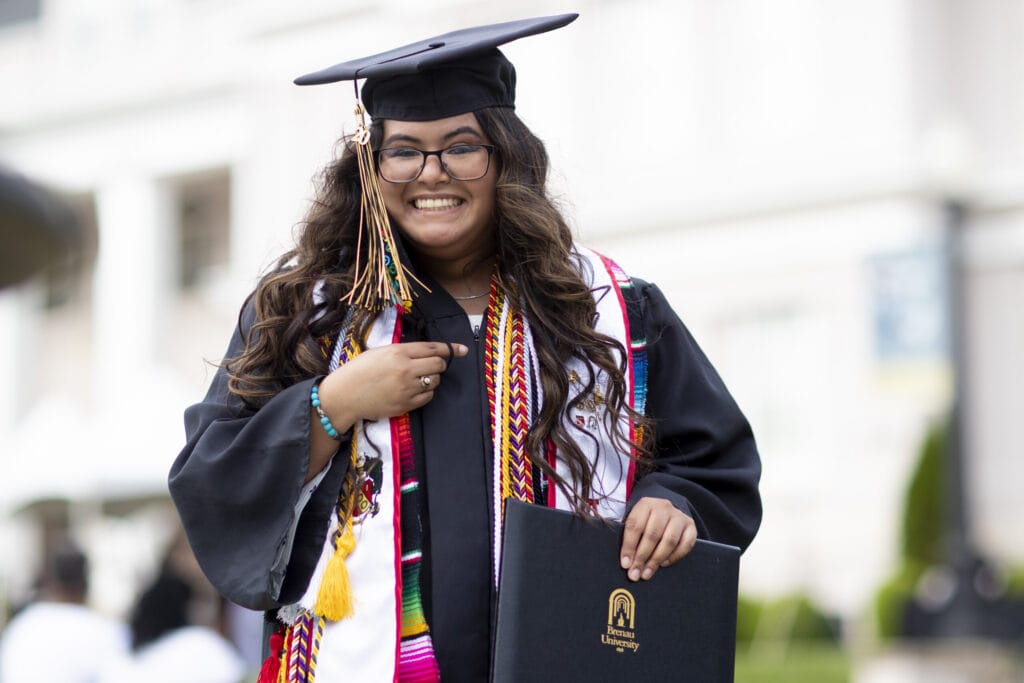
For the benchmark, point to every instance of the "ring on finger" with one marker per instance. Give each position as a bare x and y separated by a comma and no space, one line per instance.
426,381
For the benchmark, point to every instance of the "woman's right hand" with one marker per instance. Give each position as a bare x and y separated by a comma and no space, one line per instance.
376,384
385,381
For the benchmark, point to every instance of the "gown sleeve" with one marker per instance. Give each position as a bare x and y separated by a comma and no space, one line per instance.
237,484
705,459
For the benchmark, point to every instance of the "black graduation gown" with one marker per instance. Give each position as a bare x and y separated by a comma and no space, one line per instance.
238,479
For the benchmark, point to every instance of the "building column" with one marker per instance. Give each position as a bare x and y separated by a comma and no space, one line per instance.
132,284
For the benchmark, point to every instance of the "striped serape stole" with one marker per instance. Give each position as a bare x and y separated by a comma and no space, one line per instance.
416,660
632,301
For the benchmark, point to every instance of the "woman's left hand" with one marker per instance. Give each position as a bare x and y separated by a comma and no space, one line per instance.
657,534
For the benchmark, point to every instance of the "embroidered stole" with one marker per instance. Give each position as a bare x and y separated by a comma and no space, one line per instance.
387,637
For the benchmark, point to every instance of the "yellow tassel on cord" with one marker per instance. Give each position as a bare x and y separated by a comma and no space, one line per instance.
335,600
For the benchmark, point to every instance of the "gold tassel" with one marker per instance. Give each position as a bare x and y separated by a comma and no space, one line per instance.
335,600
383,280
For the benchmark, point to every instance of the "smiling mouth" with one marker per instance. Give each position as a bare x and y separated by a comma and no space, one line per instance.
436,204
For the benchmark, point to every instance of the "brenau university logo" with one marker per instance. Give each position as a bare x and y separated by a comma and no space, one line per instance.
620,632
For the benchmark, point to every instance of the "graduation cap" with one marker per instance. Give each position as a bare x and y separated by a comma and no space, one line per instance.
454,73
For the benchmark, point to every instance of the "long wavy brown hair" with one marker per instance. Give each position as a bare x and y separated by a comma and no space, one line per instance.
537,270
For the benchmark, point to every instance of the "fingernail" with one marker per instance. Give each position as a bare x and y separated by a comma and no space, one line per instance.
463,350
634,574
626,561
648,573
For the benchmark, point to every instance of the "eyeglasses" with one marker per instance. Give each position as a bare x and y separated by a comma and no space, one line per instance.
460,162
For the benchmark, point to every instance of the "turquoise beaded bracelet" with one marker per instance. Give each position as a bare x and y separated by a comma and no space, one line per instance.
314,398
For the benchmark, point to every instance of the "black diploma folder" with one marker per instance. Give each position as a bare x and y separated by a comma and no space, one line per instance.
567,612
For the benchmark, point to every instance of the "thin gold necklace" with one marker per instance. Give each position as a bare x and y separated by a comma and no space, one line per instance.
471,296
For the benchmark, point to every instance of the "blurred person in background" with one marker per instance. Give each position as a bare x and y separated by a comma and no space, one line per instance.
167,643
58,638
386,390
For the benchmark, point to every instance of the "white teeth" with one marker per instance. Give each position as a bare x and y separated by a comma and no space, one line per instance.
431,203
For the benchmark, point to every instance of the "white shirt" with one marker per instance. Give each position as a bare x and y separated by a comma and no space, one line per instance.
195,654
59,642
475,321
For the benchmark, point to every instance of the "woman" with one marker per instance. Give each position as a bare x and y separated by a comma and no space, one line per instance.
387,390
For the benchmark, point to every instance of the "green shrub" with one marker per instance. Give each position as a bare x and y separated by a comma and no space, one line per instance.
787,619
922,542
891,597
1015,581
748,614
925,512
793,618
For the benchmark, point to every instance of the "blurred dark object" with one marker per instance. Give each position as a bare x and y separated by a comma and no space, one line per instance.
963,597
173,637
67,574
17,11
163,607
37,229
964,601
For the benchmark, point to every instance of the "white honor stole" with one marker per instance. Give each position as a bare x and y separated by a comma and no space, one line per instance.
613,468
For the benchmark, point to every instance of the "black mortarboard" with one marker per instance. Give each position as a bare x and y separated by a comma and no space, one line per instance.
455,73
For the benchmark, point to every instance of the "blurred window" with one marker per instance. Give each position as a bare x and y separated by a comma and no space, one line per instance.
778,363
204,219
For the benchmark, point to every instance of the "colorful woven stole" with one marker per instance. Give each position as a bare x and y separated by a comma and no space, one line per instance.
416,660
382,634
633,318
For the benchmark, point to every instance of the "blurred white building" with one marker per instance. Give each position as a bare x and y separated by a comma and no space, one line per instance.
780,169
